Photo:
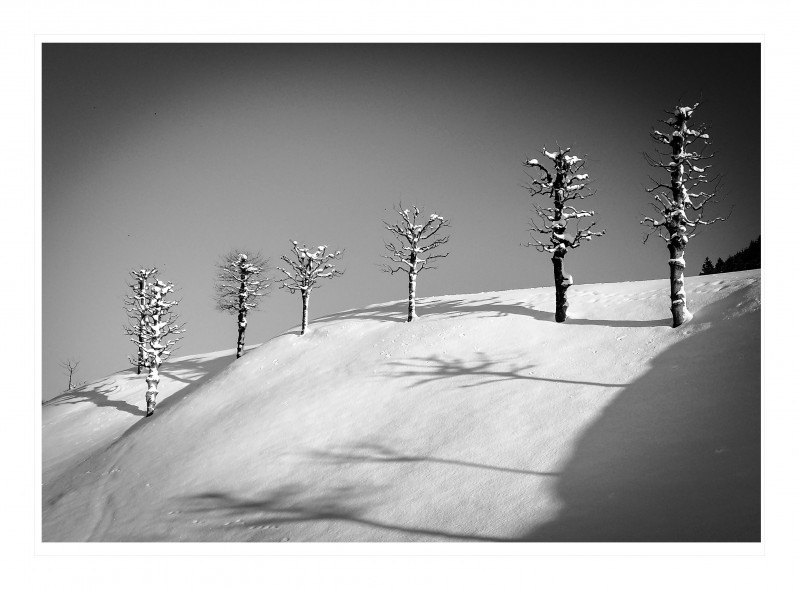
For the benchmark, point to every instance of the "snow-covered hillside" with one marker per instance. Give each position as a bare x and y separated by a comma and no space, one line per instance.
91,417
482,421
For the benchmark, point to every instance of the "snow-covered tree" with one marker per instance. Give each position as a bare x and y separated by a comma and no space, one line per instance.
304,270
413,237
136,318
689,189
564,183
157,336
69,367
241,282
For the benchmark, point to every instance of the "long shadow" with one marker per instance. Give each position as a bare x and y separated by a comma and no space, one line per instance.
200,368
676,456
289,504
374,453
97,394
434,367
396,312
619,323
212,368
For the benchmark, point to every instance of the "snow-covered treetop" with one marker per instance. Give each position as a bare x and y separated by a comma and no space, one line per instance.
241,281
687,186
307,267
141,276
562,182
156,328
413,236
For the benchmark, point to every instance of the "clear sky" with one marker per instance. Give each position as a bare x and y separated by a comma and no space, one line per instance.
170,155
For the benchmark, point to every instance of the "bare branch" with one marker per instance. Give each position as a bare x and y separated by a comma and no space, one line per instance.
565,183
413,238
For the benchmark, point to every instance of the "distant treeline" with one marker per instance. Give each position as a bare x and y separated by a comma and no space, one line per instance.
746,259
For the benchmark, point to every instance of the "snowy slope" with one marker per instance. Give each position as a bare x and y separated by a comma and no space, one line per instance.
89,418
484,420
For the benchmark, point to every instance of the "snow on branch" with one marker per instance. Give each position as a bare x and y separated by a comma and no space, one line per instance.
680,191
241,281
413,236
159,331
562,182
307,266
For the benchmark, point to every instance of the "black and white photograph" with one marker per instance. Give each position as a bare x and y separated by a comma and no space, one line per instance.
387,292
430,294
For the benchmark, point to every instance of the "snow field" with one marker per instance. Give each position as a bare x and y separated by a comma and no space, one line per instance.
483,420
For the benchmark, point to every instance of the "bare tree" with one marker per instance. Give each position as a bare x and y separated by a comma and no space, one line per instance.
564,184
305,269
153,337
241,282
70,366
689,188
136,319
414,236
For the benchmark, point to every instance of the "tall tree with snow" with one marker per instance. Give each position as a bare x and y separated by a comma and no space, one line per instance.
561,182
689,189
241,283
413,237
136,318
158,335
305,268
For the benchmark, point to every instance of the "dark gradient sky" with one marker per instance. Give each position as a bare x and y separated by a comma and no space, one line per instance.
172,154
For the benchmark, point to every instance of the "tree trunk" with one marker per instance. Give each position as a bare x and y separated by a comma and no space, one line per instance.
152,388
678,240
242,326
412,296
562,282
142,285
305,296
242,323
679,304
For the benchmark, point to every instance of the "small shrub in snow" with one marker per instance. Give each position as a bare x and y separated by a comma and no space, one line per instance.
70,367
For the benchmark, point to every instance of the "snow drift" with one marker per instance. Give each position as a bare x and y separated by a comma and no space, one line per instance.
483,421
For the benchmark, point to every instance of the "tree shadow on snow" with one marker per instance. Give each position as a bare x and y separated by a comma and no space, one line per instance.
491,307
376,453
675,457
194,369
97,394
434,367
189,371
292,504
214,367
